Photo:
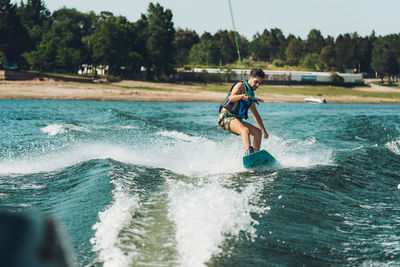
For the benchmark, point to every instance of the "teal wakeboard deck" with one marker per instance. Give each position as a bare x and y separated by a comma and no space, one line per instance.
259,158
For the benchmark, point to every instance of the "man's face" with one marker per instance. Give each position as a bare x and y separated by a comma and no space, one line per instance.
255,82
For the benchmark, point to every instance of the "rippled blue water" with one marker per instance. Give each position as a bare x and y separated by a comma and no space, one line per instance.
147,184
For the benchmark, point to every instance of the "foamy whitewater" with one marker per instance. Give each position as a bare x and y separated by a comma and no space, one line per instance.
160,184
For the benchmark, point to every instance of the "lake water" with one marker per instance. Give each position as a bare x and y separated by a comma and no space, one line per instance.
159,184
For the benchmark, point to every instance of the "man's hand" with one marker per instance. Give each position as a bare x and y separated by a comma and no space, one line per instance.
266,135
244,97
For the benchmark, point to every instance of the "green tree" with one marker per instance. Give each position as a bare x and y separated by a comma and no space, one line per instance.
384,58
344,50
36,19
391,64
37,60
184,40
268,46
136,49
379,52
276,44
3,59
43,59
198,54
362,53
61,48
227,46
114,44
13,36
258,47
243,45
327,57
160,37
372,37
70,26
311,61
329,40
206,52
295,51
315,42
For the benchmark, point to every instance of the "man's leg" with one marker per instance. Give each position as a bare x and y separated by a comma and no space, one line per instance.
245,130
256,133
239,128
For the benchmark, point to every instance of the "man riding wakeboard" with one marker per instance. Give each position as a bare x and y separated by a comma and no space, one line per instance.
233,111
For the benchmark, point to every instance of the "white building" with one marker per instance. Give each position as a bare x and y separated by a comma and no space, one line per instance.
88,69
285,76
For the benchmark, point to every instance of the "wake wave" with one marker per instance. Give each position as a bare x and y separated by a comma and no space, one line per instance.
199,214
112,220
394,146
55,129
180,136
57,160
205,215
181,153
299,153
65,128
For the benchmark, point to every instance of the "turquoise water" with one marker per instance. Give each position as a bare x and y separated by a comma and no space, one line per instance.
159,184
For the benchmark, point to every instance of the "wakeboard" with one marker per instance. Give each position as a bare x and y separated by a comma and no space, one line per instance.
259,158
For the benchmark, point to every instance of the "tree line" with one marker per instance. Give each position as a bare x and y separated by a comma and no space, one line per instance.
34,38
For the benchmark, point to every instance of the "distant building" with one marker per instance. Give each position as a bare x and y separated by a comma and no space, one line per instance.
281,76
89,69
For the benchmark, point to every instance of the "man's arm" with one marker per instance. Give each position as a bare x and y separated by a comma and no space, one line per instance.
258,119
237,93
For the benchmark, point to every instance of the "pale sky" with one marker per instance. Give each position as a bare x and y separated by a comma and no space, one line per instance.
291,16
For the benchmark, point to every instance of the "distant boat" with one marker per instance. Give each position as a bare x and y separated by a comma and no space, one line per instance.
315,100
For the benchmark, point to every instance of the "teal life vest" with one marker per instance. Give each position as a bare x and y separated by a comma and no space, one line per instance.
239,108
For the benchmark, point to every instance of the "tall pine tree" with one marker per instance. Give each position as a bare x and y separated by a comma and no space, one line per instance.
160,38
13,36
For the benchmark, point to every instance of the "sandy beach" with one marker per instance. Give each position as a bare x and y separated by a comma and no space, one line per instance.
149,91
114,91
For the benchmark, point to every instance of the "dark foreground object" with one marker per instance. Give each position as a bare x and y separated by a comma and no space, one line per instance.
30,241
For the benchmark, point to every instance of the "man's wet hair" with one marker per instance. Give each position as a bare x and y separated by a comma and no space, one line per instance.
257,73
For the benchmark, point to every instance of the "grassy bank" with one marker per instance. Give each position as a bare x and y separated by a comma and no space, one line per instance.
128,90
328,91
325,91
387,84
308,90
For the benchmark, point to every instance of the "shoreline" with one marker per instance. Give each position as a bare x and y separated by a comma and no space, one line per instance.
152,92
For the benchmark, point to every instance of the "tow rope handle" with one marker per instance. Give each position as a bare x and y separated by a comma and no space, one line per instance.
256,99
